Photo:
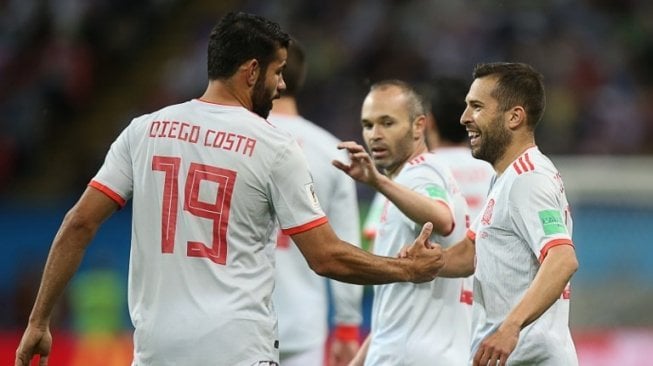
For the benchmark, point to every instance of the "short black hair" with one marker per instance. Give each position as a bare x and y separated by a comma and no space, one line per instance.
294,73
239,37
517,84
447,100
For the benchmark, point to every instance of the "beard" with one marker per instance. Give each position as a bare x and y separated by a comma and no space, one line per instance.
398,154
261,98
494,142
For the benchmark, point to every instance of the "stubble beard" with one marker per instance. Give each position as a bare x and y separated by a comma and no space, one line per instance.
261,99
494,143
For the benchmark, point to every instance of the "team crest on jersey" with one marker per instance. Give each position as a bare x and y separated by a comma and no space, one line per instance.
487,215
310,192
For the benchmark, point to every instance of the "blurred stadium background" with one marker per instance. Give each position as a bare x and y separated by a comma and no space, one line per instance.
73,73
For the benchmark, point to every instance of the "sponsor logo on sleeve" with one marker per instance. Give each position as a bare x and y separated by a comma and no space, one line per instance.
552,222
436,192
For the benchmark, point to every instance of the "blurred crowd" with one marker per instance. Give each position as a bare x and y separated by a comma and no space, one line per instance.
595,55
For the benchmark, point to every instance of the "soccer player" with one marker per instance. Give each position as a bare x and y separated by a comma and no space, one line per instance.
428,323
448,138
520,248
208,179
300,296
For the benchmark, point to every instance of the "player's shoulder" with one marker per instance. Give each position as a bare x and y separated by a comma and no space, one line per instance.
534,172
428,160
531,162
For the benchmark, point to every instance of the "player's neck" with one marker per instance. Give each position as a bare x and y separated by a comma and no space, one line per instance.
420,148
226,93
285,105
514,150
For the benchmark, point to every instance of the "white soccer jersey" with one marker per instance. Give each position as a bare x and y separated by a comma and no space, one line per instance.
300,296
473,175
371,224
427,323
207,182
525,215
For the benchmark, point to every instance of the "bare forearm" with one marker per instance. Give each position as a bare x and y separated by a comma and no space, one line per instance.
417,207
65,256
329,256
552,277
74,235
353,265
459,260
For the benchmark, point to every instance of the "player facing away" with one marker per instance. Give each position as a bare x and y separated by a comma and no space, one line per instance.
520,248
412,324
301,298
210,181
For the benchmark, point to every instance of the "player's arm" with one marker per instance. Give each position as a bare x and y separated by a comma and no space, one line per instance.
417,207
554,274
331,257
459,259
75,233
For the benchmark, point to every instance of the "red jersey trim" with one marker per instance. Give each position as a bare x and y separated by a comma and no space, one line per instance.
346,333
471,235
109,192
551,244
307,226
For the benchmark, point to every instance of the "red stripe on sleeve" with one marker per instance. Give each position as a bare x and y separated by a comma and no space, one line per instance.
523,164
551,244
307,226
109,192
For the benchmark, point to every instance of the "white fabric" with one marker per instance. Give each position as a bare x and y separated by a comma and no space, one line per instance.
216,177
420,324
526,212
473,175
300,296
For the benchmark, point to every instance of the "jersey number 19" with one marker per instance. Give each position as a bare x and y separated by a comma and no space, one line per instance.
217,211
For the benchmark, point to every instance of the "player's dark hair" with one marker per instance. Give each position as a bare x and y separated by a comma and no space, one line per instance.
239,37
517,84
416,103
447,103
294,73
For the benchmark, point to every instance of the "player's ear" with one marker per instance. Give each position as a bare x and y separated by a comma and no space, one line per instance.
419,127
251,70
516,117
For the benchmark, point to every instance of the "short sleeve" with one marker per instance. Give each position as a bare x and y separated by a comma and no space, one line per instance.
293,192
426,181
537,214
115,177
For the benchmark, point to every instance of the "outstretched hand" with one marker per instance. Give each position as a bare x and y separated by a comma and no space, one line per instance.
428,257
35,341
361,167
